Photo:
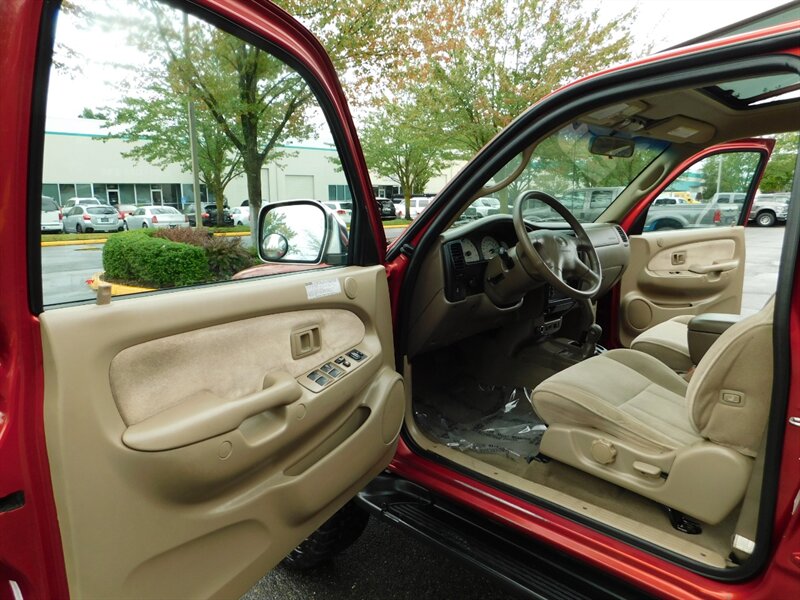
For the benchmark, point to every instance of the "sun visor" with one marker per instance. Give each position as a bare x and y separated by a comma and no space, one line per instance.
681,129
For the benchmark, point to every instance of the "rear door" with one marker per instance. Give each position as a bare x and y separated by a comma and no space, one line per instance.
689,259
187,449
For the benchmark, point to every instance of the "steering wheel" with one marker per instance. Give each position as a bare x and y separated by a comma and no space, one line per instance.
554,256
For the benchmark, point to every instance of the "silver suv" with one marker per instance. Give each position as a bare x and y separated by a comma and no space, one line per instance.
768,209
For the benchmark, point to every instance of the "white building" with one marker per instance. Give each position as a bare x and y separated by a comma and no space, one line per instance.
81,160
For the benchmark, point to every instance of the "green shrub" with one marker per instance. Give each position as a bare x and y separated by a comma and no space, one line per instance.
143,258
227,256
185,235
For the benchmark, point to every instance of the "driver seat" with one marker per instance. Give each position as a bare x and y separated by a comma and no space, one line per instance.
626,417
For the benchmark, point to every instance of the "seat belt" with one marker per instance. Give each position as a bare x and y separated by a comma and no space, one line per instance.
744,535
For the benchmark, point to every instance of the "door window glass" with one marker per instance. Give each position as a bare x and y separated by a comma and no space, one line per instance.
138,73
717,187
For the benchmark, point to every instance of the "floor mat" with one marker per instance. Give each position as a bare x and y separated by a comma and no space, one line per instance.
491,419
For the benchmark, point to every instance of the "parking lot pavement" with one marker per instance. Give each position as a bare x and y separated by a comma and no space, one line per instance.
385,563
763,246
65,270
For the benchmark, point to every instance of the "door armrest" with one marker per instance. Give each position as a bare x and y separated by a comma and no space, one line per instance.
705,329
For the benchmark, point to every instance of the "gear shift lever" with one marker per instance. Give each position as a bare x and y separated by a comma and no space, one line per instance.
589,341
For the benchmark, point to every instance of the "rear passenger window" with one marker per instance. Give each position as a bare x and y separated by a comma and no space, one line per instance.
138,73
718,186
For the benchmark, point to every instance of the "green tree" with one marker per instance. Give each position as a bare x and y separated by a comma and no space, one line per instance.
88,113
486,61
397,144
779,173
728,172
156,124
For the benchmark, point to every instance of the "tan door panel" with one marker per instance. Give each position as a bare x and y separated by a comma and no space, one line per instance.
190,452
681,272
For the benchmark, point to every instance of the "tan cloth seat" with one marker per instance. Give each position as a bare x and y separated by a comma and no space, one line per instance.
627,417
668,342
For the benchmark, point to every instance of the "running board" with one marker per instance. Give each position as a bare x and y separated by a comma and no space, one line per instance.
527,567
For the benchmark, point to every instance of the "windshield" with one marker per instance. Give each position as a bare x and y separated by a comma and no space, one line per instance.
163,210
563,166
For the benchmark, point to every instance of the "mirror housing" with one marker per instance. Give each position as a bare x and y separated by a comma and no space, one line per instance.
301,231
613,147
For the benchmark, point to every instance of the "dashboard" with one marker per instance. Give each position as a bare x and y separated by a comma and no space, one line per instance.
451,304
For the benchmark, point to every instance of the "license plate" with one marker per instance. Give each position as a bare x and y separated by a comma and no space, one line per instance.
104,220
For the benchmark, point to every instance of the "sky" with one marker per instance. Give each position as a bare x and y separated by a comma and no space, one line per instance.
660,23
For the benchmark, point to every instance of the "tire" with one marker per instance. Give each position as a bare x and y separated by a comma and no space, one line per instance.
765,219
78,228
336,535
144,225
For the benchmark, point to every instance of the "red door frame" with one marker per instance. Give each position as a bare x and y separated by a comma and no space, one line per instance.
30,546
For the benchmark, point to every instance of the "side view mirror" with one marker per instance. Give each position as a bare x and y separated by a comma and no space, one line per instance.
301,231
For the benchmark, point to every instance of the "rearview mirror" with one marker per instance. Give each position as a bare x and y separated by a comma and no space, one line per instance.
606,145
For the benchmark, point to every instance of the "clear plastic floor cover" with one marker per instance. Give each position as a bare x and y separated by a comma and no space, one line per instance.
489,419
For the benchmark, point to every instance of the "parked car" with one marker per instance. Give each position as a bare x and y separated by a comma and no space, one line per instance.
182,442
584,203
158,217
386,209
209,216
343,209
486,206
51,216
125,209
683,215
241,215
87,218
418,204
75,201
768,209
669,201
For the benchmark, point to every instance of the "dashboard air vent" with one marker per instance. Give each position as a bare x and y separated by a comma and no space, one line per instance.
457,256
622,235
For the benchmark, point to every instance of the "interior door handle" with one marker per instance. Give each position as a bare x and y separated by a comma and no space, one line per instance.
718,267
205,415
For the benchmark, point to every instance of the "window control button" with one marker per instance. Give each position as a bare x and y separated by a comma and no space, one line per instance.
355,355
326,368
335,372
313,375
321,380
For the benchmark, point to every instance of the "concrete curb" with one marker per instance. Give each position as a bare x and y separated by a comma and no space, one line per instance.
117,289
217,234
104,240
75,242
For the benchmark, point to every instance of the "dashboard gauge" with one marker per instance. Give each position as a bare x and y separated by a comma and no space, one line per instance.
490,247
470,251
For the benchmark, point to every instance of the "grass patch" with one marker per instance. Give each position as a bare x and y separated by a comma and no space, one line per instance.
71,237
